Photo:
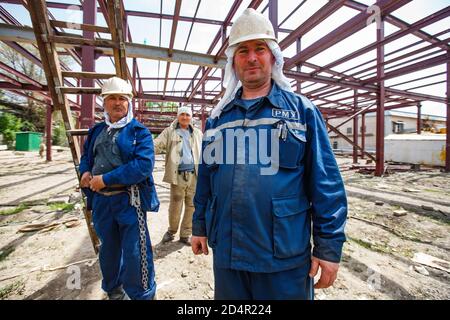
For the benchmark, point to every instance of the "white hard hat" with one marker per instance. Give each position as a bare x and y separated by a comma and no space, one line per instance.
251,25
184,109
116,85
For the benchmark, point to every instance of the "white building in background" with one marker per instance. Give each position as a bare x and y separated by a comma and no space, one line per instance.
395,122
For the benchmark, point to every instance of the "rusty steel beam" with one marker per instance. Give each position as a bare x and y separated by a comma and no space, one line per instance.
273,15
87,114
172,40
48,100
363,135
48,133
398,23
425,64
180,78
379,144
6,16
292,12
79,26
403,56
132,13
321,14
227,20
355,85
253,4
398,65
355,128
350,27
355,114
23,86
160,98
365,95
419,119
447,141
442,14
343,136
19,75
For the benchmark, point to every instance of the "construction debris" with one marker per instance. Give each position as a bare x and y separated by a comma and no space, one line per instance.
88,262
60,199
431,261
44,227
422,270
400,213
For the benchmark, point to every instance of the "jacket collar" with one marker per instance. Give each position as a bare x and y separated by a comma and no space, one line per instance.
274,97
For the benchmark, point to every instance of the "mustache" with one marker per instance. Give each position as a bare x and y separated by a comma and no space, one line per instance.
251,65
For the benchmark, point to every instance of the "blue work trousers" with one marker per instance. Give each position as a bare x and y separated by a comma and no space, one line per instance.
117,226
293,284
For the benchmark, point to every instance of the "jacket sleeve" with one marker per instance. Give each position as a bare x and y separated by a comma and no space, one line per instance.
161,142
84,161
138,168
325,189
202,194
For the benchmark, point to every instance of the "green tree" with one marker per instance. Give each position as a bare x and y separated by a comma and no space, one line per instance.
9,125
33,113
59,134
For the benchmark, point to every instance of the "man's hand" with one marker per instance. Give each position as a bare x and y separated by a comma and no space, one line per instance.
328,272
97,183
199,245
85,179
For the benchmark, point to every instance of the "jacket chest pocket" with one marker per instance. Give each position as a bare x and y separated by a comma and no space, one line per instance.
291,147
291,226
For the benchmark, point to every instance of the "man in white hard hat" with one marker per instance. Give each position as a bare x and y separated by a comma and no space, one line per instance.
181,142
255,214
116,176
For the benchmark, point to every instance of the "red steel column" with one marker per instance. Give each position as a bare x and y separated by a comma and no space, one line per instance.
299,67
363,134
224,39
355,128
419,118
48,133
379,169
136,103
273,15
87,116
203,107
203,120
447,141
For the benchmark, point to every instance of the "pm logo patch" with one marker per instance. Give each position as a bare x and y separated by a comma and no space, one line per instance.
285,114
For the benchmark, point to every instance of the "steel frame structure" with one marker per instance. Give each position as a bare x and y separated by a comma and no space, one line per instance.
346,94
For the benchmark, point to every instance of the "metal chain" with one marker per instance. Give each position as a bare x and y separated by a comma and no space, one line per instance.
136,202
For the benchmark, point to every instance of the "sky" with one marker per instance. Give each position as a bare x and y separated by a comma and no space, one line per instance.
154,32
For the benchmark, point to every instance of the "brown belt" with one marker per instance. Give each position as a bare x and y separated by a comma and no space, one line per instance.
113,190
111,193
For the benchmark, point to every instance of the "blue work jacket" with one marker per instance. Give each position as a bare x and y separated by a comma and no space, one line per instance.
260,221
135,144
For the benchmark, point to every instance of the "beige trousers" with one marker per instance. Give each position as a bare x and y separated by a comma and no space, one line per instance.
181,193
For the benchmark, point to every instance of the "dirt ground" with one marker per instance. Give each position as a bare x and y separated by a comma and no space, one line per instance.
391,220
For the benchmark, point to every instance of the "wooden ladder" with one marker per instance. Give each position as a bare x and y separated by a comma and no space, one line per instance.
47,39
